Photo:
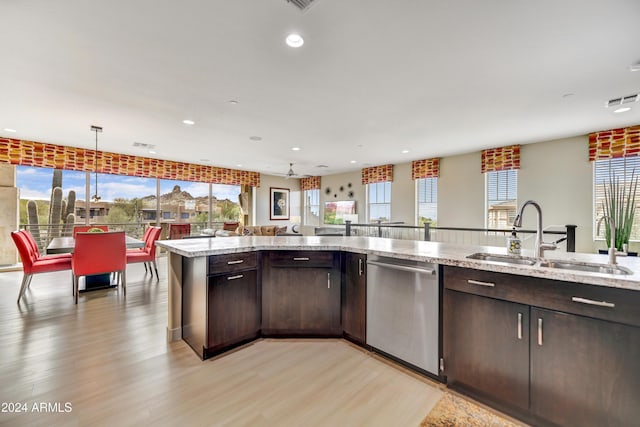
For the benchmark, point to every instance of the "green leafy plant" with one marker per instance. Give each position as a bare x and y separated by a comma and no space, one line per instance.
95,230
619,206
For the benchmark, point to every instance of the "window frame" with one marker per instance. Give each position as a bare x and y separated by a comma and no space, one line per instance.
384,203
307,207
511,177
433,187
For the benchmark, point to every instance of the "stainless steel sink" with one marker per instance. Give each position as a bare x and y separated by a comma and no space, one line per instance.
585,266
509,259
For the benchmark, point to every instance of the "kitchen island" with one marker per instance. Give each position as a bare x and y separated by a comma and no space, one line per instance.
551,346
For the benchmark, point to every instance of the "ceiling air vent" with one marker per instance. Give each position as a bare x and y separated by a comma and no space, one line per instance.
623,100
143,145
303,5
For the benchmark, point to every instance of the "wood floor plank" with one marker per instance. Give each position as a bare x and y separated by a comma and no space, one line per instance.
108,357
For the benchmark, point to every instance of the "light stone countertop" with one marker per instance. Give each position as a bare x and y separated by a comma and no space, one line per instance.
435,252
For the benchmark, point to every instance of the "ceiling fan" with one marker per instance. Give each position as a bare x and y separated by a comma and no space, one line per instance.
291,174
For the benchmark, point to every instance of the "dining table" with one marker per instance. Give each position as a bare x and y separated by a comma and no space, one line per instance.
62,245
66,244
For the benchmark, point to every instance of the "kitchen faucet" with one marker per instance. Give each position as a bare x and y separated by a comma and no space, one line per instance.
613,251
540,246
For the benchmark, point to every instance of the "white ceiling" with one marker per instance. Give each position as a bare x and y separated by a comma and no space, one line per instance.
374,77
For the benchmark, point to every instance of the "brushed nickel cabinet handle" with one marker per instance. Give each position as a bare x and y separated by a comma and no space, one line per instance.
360,271
593,302
519,326
239,261
239,276
477,282
328,280
539,331
301,259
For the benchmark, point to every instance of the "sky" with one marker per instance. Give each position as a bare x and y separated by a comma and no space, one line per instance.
35,184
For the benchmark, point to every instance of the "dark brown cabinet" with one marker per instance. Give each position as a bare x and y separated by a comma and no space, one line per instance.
354,297
301,293
487,347
220,301
584,371
548,352
234,312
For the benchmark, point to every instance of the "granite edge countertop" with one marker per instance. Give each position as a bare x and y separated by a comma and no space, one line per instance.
435,252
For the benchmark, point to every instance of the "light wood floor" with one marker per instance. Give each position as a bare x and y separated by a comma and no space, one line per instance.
108,357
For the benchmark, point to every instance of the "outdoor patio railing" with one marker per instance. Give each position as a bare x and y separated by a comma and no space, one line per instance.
460,235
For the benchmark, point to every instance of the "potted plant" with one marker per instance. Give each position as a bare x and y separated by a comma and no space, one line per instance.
619,206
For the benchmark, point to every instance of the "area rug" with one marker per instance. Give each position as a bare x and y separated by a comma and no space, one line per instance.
455,411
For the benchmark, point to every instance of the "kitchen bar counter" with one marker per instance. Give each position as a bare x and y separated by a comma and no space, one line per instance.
440,253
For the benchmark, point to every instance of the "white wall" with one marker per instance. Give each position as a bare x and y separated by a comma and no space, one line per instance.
262,196
557,174
461,189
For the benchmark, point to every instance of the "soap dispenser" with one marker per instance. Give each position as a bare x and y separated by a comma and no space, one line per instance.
513,243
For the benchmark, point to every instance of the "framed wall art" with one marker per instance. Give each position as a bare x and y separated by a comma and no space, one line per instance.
279,203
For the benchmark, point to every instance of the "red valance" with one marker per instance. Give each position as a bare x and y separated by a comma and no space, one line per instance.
29,153
614,143
500,159
427,168
376,174
310,183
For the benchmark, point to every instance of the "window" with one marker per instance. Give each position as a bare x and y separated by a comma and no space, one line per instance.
427,189
379,201
622,168
311,206
502,187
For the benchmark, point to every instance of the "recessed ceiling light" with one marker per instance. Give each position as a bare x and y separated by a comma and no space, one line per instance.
233,102
294,40
188,122
255,138
239,165
10,130
352,161
152,152
404,151
322,166
622,110
295,148
205,160
634,67
568,95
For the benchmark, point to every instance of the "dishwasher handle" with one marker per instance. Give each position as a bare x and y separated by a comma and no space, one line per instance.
403,267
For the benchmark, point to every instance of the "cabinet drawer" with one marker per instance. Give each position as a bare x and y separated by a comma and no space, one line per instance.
301,259
219,264
600,302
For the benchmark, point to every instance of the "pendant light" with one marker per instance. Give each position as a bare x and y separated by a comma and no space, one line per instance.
96,129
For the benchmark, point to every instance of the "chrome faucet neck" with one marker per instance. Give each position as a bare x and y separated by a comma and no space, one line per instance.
540,245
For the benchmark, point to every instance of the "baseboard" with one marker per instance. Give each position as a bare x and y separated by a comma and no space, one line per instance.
174,334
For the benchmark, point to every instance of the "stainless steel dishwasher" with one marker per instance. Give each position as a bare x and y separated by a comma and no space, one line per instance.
402,310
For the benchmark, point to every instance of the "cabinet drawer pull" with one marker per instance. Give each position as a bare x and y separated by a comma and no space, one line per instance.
477,282
360,271
519,326
239,261
328,280
301,259
593,302
239,276
539,331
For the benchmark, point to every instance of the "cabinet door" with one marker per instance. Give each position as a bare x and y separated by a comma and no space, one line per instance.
486,348
354,297
301,301
234,312
584,372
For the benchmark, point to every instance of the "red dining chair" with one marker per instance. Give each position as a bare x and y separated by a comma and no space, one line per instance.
178,231
98,253
85,228
32,263
148,253
34,247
